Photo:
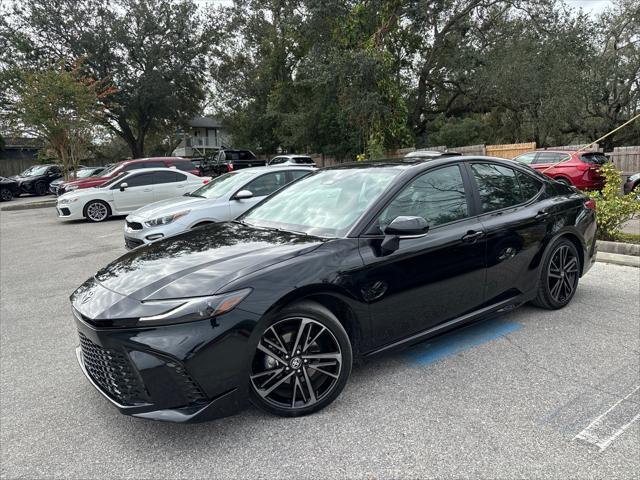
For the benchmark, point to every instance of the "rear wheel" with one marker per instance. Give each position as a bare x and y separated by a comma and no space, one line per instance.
5,194
40,189
559,276
97,211
563,181
302,361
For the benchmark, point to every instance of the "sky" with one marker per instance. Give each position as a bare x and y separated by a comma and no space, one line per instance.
593,7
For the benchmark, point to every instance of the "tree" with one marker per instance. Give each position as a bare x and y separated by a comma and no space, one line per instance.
153,52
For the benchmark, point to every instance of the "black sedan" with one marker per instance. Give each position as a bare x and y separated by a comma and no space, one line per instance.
346,263
36,179
8,189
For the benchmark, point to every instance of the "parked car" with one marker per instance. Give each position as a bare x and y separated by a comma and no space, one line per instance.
125,193
421,154
116,169
297,160
222,199
36,179
8,189
350,261
84,172
229,160
632,184
570,168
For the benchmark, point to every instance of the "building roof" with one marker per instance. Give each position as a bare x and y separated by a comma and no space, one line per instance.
205,122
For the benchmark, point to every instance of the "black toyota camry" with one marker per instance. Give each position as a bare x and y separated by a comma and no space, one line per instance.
346,263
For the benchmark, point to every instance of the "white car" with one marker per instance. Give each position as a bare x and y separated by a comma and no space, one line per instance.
126,192
295,160
224,198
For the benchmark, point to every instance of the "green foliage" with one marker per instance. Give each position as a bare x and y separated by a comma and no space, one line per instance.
613,208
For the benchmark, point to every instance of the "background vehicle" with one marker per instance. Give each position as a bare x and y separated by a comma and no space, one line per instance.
229,160
116,169
632,183
81,173
429,154
222,199
8,189
126,192
292,160
570,168
349,261
36,179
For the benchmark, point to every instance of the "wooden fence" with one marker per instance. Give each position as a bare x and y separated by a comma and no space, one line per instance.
510,150
626,159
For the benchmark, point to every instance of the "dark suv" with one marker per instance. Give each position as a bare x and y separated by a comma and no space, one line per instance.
36,179
228,160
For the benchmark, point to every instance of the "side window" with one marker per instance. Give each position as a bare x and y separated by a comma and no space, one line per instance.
139,180
529,186
266,184
437,196
526,158
277,161
550,157
185,166
168,177
497,185
152,165
296,174
55,170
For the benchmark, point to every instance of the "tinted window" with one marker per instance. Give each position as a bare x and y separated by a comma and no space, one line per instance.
596,158
296,174
139,180
529,186
186,166
437,196
55,170
551,157
239,155
303,160
134,166
527,158
497,185
277,161
168,177
266,184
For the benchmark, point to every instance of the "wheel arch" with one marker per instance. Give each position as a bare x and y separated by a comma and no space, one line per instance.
89,202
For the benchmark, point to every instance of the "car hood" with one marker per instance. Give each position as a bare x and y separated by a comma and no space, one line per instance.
169,206
200,262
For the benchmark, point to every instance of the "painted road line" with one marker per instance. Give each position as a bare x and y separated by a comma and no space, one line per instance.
460,340
612,423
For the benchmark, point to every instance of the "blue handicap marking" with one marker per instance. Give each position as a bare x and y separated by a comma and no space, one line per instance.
460,340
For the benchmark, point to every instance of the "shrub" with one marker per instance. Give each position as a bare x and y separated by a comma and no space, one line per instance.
613,208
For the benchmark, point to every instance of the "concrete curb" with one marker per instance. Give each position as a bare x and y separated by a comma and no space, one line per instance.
617,259
619,248
29,206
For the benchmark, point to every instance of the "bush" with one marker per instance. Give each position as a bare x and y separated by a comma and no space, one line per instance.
613,208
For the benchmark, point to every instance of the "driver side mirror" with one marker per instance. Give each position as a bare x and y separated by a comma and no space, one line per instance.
123,185
243,195
403,227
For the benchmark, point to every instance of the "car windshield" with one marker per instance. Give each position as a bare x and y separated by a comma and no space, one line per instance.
34,171
222,185
109,170
325,204
85,172
114,180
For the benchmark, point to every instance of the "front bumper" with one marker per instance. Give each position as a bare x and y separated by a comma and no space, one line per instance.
188,372
69,211
136,233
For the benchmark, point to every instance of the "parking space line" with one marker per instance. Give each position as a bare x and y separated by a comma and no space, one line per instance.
606,427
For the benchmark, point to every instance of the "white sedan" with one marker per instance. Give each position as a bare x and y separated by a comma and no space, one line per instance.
126,192
224,198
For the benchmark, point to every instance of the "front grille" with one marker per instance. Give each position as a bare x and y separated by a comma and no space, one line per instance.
134,225
189,388
113,373
132,242
65,211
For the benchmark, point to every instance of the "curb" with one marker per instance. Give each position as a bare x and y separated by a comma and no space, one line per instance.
29,206
618,259
619,248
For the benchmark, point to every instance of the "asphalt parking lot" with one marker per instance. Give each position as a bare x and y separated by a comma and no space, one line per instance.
531,394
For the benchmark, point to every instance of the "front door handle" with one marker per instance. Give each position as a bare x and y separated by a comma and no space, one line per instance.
472,236
541,215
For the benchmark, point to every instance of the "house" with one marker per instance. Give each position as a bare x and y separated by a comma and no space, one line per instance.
204,137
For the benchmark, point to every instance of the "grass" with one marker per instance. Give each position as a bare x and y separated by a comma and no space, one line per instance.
629,238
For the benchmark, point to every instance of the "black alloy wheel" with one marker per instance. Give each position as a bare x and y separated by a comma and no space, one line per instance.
302,361
40,189
560,275
5,195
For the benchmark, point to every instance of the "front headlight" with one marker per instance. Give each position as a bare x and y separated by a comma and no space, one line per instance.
156,222
196,308
64,201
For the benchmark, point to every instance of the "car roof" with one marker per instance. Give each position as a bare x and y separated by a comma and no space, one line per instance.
159,169
152,159
277,168
294,155
418,163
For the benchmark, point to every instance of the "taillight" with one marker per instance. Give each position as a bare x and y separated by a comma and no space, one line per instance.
590,204
229,167
205,181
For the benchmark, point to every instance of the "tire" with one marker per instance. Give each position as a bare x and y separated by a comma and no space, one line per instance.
40,189
286,383
559,276
97,211
5,195
563,181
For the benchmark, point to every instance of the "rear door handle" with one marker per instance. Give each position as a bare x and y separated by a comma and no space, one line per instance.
472,236
541,215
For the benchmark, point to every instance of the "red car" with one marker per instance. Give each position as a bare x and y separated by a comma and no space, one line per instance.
117,168
570,168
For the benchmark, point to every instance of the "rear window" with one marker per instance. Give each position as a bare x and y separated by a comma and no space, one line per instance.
596,158
303,160
239,155
185,166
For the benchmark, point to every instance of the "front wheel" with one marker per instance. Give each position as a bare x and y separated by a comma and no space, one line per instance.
97,211
559,276
5,195
40,189
302,361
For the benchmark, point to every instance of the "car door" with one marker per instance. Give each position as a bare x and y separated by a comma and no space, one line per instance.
515,223
138,193
261,186
432,278
169,184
